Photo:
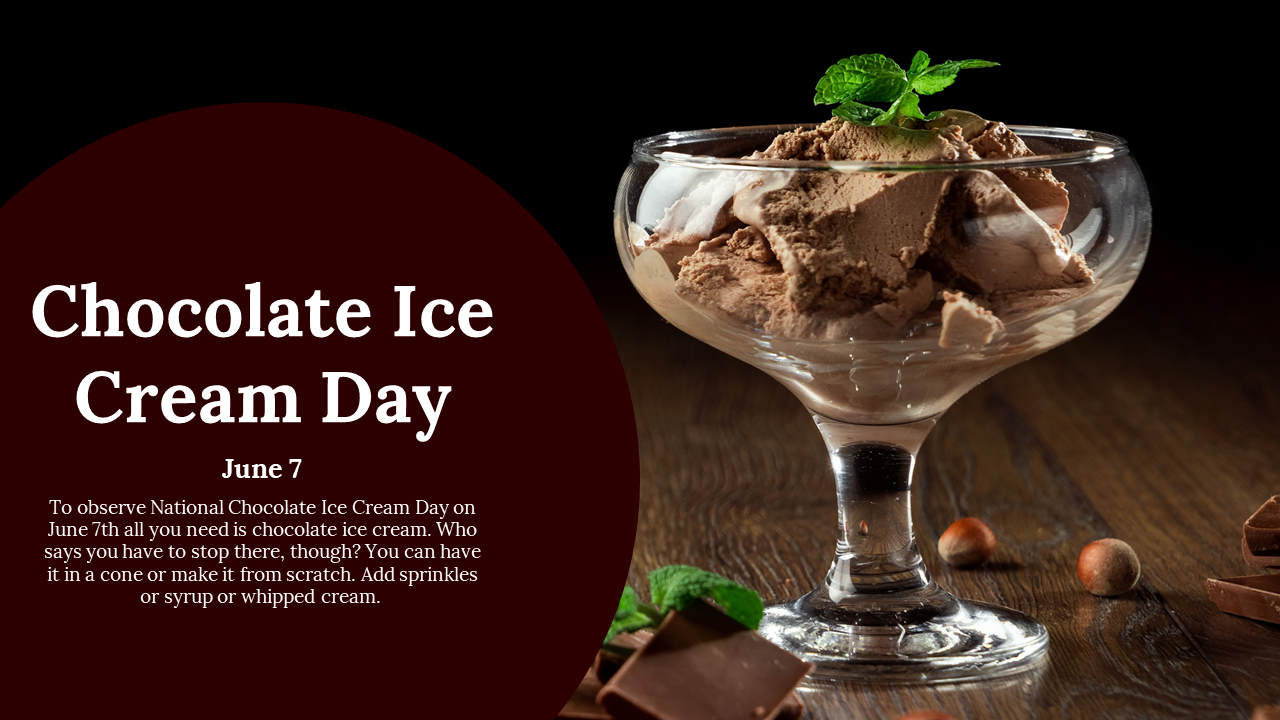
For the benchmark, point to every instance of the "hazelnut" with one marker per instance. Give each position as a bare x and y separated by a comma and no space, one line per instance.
968,542
1108,567
926,715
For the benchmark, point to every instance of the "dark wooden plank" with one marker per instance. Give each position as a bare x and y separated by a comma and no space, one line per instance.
1109,657
1179,403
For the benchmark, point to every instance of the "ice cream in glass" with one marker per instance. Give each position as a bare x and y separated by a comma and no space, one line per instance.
879,273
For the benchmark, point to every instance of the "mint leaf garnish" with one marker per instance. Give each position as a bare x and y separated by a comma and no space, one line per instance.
940,76
869,78
856,112
918,64
891,114
875,78
909,106
629,617
627,603
676,586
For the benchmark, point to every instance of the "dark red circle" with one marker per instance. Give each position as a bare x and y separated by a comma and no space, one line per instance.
537,431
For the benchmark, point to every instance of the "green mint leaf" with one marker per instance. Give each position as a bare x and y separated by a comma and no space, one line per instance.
674,587
628,617
935,79
628,604
868,78
856,112
630,623
909,106
892,113
918,64
740,603
940,76
875,78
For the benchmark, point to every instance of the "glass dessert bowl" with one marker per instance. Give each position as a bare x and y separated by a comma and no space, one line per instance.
879,292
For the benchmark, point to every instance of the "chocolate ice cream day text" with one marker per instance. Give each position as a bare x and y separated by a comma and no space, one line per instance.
436,320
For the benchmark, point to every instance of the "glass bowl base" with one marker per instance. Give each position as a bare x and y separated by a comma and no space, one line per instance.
924,635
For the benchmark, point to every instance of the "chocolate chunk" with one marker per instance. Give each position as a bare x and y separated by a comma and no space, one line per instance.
792,708
607,664
607,661
582,705
1262,529
1259,560
1253,596
703,664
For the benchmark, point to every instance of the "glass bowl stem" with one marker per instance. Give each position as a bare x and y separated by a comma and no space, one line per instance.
877,615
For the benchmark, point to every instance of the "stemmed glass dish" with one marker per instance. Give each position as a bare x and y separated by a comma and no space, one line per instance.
876,392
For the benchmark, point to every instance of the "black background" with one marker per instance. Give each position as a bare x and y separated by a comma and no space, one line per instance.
549,111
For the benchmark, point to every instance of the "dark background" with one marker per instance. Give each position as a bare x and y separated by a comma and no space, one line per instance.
551,115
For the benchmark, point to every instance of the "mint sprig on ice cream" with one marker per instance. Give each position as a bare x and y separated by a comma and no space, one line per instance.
861,79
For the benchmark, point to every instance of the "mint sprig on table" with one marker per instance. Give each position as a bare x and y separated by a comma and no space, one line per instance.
675,587
861,79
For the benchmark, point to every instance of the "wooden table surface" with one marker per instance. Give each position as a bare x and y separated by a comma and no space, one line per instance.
1159,427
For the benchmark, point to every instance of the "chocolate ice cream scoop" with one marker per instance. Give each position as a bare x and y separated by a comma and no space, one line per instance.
826,254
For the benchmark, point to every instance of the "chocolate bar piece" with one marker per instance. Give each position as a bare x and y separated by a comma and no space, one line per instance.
792,708
1269,560
1253,596
607,664
1262,529
703,664
607,661
582,705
